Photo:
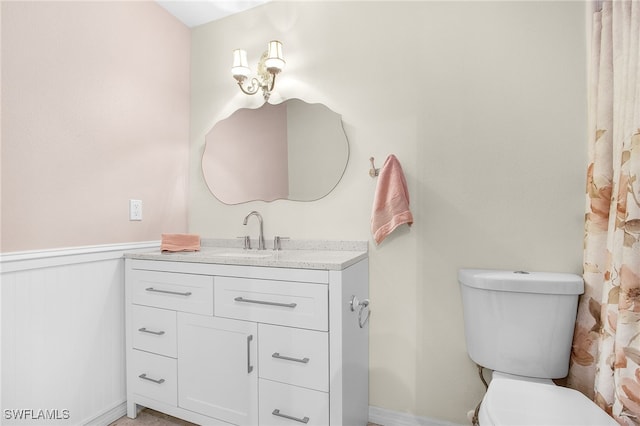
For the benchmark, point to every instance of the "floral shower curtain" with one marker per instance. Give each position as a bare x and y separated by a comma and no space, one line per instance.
605,361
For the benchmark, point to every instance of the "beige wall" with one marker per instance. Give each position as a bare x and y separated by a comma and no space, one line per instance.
95,111
484,105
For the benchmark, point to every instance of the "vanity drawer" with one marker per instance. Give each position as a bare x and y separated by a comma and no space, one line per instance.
154,330
287,405
154,376
295,356
168,290
273,302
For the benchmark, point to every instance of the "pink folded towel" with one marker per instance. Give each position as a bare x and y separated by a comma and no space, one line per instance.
180,242
391,201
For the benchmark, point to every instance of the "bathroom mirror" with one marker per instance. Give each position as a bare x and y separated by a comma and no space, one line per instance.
293,150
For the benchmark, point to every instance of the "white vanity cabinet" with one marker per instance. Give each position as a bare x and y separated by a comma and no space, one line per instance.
219,344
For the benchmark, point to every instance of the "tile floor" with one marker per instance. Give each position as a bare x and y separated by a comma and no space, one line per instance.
148,417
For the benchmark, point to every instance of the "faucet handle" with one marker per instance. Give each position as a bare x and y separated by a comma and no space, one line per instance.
276,242
247,242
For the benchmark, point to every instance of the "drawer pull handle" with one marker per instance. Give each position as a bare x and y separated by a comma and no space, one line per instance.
144,377
179,293
277,412
249,366
262,302
304,360
157,333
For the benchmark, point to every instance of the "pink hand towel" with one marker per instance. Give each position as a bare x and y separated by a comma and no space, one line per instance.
391,201
180,242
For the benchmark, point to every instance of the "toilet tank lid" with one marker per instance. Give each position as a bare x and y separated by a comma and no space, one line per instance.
522,281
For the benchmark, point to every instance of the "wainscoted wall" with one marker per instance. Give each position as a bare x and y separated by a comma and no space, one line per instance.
62,334
95,111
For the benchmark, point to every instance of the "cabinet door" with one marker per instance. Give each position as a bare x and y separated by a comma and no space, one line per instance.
217,368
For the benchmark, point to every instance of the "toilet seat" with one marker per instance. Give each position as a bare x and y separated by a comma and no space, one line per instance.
511,401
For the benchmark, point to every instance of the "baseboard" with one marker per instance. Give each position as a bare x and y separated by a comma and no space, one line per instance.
384,417
379,416
108,416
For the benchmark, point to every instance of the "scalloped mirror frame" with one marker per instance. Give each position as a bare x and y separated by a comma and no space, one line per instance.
293,151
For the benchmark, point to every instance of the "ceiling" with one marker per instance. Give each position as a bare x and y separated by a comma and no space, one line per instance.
197,12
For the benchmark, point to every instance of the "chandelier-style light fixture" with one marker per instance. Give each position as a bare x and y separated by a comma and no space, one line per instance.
270,64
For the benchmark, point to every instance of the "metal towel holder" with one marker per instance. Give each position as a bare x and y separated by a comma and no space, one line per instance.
361,306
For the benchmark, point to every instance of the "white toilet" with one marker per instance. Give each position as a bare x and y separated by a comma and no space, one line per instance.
520,325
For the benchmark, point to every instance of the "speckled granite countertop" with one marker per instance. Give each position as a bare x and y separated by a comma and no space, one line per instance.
303,254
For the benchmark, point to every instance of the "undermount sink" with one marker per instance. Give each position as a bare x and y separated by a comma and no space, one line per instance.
244,253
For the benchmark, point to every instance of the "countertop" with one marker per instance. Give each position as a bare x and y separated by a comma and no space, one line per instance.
303,254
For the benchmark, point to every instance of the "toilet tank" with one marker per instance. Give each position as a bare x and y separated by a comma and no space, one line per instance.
520,322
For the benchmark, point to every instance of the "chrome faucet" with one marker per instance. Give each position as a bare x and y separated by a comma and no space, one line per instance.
261,236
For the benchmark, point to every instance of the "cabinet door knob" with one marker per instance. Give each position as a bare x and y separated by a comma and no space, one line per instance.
277,412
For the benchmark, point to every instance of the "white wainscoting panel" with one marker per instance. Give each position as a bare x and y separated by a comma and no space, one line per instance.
62,322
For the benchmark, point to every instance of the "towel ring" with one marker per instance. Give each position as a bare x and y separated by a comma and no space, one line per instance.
361,305
373,172
364,304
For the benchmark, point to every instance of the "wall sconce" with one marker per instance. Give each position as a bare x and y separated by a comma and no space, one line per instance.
270,64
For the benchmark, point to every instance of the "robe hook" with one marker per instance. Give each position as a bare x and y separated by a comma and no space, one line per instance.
373,172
